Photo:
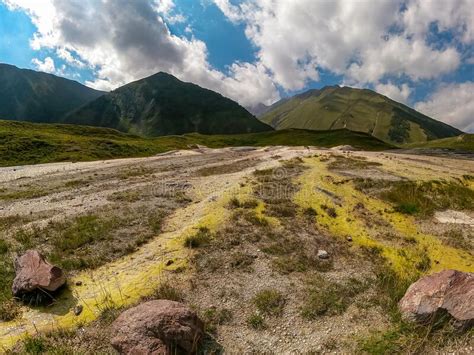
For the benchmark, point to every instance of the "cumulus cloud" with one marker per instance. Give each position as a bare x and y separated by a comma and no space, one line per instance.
47,65
397,93
453,104
127,40
365,40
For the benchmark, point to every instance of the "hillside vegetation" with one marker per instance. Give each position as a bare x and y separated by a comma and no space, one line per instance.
30,143
162,105
464,142
28,95
358,110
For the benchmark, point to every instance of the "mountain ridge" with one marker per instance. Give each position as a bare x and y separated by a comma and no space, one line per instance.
29,95
361,110
161,104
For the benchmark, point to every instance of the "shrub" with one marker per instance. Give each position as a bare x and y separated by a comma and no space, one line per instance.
202,237
256,321
269,302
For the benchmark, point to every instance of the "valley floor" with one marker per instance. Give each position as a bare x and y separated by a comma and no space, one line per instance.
235,233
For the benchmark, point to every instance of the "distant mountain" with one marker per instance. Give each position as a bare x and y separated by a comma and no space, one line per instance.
28,95
258,110
163,105
362,110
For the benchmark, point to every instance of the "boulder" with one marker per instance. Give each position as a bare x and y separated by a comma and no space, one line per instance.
157,327
35,275
448,291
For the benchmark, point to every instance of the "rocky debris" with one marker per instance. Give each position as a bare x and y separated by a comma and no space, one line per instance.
455,217
323,254
349,238
157,327
35,277
448,291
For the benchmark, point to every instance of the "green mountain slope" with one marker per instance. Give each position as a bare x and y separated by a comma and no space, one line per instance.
39,97
162,105
464,142
33,143
361,110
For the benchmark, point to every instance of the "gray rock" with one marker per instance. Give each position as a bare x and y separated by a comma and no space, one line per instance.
323,254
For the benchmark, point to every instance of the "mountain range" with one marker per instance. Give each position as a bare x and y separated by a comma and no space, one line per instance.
161,104
361,110
28,95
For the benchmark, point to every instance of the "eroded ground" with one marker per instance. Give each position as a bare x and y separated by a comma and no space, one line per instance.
235,233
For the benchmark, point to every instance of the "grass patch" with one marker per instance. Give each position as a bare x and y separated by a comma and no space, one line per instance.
340,162
125,196
22,194
83,230
421,198
269,301
201,238
4,246
214,317
9,310
167,292
256,322
329,298
33,143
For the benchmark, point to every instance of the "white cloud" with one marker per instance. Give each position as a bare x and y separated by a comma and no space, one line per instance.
452,104
127,40
397,93
365,41
448,15
47,65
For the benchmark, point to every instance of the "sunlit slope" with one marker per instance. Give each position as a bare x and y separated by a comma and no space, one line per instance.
358,110
31,143
464,142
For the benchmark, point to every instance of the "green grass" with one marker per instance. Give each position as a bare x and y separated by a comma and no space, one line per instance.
270,302
420,198
424,198
329,298
464,142
200,238
33,143
360,110
256,322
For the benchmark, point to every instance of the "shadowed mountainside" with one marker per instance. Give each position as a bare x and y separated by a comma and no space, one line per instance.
28,95
162,105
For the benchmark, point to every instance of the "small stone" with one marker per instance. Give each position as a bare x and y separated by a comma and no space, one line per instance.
323,254
349,239
78,309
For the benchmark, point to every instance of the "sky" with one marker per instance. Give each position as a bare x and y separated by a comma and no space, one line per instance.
418,52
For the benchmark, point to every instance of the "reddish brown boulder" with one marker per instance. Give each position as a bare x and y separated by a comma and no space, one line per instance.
34,273
157,327
448,291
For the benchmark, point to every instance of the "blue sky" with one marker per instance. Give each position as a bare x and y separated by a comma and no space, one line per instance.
414,52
